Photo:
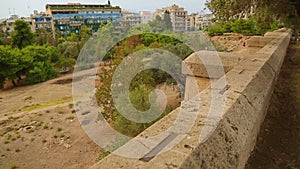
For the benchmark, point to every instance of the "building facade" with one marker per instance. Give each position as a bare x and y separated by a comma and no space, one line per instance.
191,22
178,17
203,21
146,17
40,20
68,18
7,25
132,18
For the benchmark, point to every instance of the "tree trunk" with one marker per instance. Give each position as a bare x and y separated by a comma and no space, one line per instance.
13,82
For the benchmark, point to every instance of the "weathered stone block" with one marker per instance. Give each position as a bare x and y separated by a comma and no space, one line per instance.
210,64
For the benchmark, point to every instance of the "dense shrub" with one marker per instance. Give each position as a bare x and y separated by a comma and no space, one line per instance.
243,26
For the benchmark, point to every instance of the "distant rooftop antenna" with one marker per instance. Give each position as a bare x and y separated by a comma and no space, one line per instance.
9,12
14,11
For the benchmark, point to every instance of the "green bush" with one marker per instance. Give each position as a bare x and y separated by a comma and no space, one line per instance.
243,26
217,29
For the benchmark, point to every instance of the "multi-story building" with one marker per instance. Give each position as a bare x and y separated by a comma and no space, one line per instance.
146,17
41,20
178,17
70,17
132,18
8,25
191,22
203,21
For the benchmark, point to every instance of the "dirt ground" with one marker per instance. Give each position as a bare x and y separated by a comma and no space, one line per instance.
278,144
39,127
230,42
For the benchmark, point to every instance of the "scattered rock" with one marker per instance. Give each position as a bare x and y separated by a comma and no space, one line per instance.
67,145
27,98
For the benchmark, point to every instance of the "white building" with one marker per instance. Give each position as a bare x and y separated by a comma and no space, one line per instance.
133,18
204,21
146,17
8,25
178,17
41,20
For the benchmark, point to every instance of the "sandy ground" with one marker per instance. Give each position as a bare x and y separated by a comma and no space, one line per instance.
278,145
231,42
39,127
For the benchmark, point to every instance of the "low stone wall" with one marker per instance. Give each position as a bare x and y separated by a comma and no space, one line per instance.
214,141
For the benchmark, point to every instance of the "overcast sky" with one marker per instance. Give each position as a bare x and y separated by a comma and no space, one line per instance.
26,7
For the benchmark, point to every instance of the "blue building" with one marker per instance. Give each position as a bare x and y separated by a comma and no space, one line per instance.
68,18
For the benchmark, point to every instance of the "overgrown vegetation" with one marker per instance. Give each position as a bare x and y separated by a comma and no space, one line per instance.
264,15
242,26
37,57
145,81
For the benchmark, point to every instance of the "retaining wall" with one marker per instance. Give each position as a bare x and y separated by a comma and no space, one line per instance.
249,86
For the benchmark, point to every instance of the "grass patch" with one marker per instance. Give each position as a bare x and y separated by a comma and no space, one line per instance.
102,155
13,166
9,136
30,130
61,112
17,150
59,129
71,105
70,118
2,122
47,104
62,136
8,129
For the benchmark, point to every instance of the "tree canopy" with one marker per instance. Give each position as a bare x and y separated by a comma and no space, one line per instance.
22,35
264,11
167,20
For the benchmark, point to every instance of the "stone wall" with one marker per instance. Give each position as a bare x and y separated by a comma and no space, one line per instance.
222,137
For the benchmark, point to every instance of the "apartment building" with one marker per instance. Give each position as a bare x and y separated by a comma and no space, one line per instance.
41,20
146,17
7,25
203,21
69,18
178,17
132,18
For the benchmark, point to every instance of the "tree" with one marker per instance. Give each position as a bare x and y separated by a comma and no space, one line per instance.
41,68
265,11
40,37
167,20
2,35
84,35
22,35
69,49
158,25
8,65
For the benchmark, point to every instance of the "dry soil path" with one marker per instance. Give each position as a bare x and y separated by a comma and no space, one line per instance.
278,145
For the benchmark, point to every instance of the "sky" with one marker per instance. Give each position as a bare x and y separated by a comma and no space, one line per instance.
24,8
